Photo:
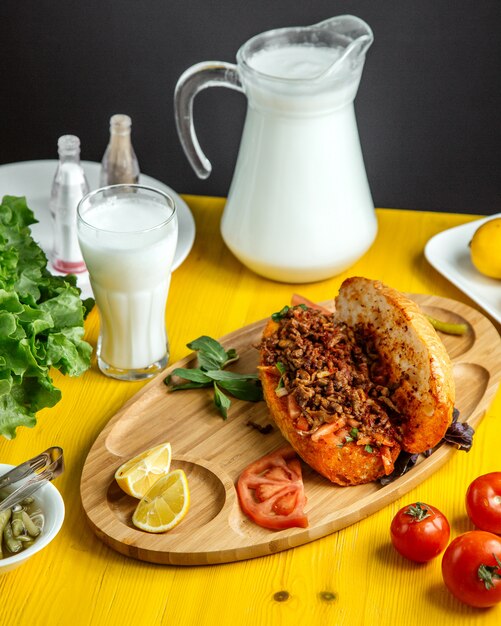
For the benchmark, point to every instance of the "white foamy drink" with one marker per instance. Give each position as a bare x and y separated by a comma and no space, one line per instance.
294,61
128,244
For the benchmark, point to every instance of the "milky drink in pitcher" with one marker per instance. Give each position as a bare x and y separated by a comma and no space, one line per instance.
128,243
299,206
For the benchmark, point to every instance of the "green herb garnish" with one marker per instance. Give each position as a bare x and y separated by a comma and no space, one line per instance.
212,358
276,317
211,354
41,322
281,368
351,436
354,433
368,449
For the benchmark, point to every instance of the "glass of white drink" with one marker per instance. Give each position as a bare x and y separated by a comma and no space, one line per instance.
128,237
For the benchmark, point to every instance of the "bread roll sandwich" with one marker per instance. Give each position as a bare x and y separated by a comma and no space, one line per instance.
349,390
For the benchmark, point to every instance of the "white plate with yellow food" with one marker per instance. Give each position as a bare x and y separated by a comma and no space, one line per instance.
33,179
448,253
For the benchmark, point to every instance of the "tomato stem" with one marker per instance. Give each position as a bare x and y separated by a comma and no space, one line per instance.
418,511
489,573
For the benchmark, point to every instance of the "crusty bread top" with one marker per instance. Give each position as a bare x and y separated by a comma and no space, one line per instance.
418,364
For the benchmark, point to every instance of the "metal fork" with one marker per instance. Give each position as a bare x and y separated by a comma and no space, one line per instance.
32,475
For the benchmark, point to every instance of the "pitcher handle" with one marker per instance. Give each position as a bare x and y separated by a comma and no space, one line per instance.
193,80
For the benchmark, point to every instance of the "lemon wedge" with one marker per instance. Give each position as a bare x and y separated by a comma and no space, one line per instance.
165,504
140,473
485,248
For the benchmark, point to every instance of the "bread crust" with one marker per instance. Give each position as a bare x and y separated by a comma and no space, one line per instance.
418,365
417,360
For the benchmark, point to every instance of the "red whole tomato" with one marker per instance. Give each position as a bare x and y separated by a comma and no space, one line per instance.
271,491
471,568
419,532
483,502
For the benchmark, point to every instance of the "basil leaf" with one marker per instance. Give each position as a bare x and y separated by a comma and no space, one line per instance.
405,461
243,389
182,386
224,375
221,401
461,435
242,386
194,375
211,354
212,358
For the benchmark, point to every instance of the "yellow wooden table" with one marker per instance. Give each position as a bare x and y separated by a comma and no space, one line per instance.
349,578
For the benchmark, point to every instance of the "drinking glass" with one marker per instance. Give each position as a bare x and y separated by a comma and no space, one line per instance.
128,237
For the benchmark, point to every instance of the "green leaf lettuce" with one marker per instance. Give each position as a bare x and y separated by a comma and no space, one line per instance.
41,322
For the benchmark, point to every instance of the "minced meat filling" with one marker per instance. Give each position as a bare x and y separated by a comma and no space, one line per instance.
334,375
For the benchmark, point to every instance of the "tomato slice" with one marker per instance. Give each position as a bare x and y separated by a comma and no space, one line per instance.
271,491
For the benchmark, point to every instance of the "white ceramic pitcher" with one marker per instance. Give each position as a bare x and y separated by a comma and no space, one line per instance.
299,208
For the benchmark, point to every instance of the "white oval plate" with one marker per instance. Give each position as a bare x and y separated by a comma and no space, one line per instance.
449,254
33,179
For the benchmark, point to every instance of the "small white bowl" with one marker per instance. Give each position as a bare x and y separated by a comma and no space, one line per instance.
52,505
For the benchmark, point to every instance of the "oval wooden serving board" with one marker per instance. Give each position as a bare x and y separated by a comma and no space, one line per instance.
213,452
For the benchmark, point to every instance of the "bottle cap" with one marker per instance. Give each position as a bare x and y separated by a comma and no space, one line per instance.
68,144
120,123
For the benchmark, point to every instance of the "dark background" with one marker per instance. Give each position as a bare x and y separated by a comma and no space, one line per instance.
428,107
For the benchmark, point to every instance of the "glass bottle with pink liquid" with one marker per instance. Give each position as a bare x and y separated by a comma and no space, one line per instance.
68,188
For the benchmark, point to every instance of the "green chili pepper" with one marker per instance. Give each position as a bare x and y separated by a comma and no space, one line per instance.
17,523
12,543
4,520
31,527
448,327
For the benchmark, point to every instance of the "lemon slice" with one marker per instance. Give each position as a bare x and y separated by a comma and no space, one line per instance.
139,474
165,504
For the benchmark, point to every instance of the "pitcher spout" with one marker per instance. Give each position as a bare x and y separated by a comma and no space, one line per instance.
351,35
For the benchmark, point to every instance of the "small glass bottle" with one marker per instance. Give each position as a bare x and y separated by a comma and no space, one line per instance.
119,164
69,186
